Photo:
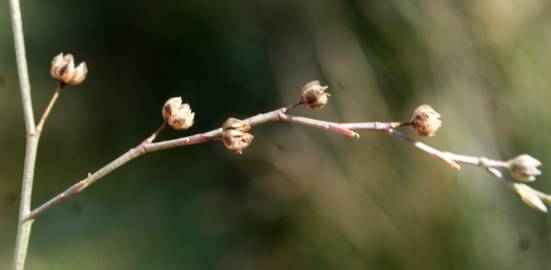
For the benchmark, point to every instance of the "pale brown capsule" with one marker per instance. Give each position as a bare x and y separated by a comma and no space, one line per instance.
524,168
236,141
177,115
236,124
425,121
235,135
314,95
63,69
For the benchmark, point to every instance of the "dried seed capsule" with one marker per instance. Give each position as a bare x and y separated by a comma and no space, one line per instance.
177,115
236,124
235,135
425,121
63,69
236,141
524,168
314,95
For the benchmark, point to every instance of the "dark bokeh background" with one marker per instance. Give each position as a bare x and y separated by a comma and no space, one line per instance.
299,198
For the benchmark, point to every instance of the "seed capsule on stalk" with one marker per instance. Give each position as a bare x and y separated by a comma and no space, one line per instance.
63,70
425,121
314,95
177,115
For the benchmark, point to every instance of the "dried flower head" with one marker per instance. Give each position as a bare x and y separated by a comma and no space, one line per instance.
235,135
179,116
425,120
529,197
63,69
314,95
524,168
236,124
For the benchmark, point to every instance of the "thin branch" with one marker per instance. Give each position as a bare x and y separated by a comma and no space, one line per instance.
424,147
153,136
48,109
147,146
81,185
477,161
278,115
319,124
24,228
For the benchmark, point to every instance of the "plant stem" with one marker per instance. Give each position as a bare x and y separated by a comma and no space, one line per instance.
22,70
48,109
153,136
424,147
24,227
278,115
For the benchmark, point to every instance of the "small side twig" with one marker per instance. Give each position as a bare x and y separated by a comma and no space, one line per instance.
48,109
153,136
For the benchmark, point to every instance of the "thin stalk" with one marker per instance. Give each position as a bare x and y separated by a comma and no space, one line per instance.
48,109
24,227
278,115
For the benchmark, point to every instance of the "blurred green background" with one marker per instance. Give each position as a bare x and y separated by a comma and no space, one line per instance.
299,198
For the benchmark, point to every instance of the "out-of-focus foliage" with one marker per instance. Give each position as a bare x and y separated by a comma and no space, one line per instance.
298,198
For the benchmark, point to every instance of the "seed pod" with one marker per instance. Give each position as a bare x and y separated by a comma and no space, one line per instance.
236,124
177,115
425,121
524,168
63,70
236,141
235,135
314,95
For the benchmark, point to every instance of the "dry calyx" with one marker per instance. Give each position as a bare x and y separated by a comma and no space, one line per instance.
314,95
425,121
178,115
63,70
524,168
235,135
